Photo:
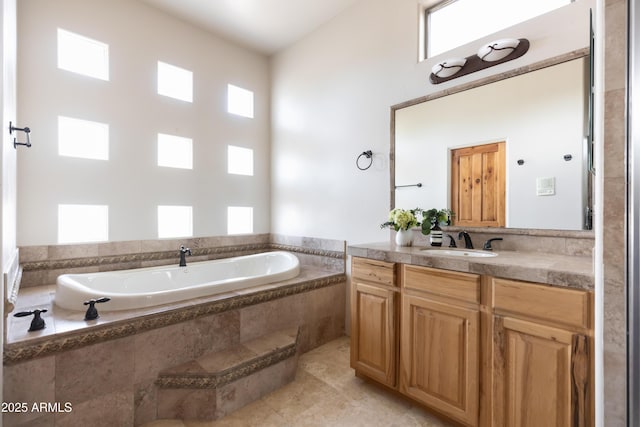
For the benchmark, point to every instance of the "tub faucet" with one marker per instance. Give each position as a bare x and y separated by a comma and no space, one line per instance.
467,239
183,255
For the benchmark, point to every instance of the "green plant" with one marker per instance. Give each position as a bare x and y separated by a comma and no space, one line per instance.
432,216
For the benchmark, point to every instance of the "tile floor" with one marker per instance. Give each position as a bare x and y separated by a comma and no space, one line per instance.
324,393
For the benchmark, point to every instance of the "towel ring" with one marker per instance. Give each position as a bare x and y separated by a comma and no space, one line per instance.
369,155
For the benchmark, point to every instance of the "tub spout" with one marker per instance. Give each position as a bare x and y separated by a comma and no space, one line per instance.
183,255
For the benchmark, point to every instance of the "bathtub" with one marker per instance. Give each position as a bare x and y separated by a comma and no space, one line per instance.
147,287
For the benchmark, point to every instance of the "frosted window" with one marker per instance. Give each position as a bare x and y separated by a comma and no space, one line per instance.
239,160
175,221
175,82
83,138
239,220
83,223
464,21
83,55
239,101
175,151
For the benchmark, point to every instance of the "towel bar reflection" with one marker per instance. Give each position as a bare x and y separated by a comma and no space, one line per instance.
410,185
26,130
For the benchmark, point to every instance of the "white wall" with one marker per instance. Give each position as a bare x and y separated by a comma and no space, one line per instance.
130,183
8,153
331,98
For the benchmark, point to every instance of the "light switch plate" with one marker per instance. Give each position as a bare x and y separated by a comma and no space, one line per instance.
545,186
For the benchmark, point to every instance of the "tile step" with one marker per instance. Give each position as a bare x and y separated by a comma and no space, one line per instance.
214,370
216,384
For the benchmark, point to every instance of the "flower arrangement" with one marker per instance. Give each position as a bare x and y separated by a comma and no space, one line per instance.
401,219
404,219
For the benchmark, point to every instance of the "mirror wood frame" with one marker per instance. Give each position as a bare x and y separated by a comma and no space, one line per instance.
576,54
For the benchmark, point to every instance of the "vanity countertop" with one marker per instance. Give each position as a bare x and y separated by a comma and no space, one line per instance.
553,269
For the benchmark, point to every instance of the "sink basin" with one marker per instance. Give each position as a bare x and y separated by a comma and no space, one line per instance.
460,253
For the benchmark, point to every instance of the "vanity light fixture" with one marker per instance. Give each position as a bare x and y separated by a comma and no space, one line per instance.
448,68
498,49
494,53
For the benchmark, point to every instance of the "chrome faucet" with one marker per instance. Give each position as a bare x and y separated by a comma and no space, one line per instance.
183,255
467,239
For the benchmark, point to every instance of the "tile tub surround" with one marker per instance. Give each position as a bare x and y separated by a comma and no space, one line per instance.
41,265
120,361
553,269
116,359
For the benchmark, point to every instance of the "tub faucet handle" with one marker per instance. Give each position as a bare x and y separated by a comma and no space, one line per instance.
92,311
183,253
37,323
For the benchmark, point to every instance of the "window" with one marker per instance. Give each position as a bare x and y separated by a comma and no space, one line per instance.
239,220
175,221
175,151
175,82
83,223
83,55
83,138
239,101
239,160
452,24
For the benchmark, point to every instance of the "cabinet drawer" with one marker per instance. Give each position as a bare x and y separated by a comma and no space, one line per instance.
371,270
559,305
462,286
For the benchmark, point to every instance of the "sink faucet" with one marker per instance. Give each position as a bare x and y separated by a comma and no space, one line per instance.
487,244
183,255
467,239
452,241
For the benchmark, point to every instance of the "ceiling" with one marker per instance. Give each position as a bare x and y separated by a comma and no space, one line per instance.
266,26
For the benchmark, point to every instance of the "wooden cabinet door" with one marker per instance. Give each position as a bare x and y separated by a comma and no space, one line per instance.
540,375
478,185
439,359
373,331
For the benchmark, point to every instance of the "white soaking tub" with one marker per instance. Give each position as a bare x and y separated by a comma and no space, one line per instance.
147,287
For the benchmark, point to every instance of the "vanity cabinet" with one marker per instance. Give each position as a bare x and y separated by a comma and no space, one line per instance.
541,359
481,350
374,318
440,341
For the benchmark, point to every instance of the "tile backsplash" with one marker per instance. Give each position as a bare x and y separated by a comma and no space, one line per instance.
579,243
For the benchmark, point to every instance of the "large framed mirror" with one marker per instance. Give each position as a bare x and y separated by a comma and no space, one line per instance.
539,116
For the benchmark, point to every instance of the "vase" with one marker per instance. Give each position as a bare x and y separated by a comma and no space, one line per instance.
404,238
435,236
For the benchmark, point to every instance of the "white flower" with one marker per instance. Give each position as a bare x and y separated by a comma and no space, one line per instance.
402,219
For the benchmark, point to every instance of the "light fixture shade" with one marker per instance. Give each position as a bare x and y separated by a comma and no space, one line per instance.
448,68
498,49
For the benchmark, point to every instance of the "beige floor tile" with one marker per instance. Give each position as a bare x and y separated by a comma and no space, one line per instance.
296,397
257,413
325,393
165,423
